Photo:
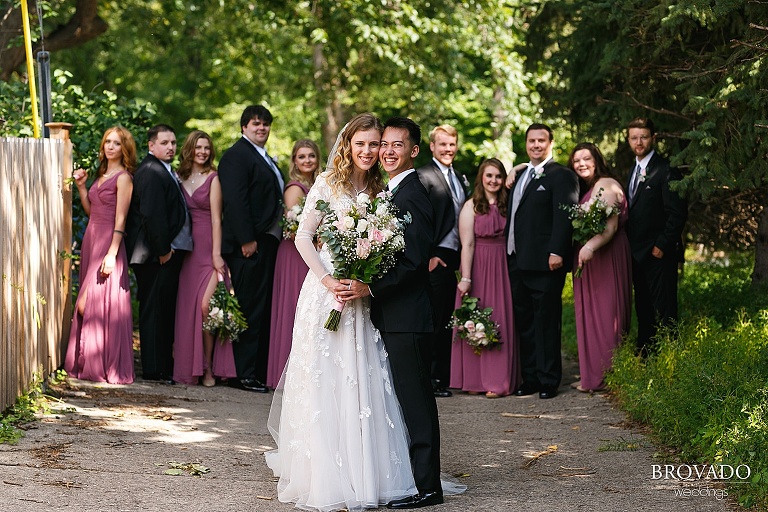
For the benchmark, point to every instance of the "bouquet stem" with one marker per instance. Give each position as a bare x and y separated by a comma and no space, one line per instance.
334,317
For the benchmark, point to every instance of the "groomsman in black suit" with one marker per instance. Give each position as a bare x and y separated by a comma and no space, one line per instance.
447,194
539,249
401,309
251,188
158,232
657,215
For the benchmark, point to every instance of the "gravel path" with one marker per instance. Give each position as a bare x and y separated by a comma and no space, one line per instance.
107,449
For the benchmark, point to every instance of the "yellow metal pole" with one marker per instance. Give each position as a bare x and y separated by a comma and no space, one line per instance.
30,68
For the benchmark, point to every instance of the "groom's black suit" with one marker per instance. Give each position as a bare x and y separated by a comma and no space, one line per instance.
401,310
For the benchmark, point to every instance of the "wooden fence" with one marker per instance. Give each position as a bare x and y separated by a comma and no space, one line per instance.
35,231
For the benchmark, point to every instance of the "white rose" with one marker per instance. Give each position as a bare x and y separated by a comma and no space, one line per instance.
480,327
362,226
381,210
387,234
349,223
362,198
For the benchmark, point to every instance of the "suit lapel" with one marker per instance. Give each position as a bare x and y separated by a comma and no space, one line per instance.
650,172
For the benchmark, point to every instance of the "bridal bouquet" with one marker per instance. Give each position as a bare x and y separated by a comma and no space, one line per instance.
363,240
589,219
225,320
290,220
474,325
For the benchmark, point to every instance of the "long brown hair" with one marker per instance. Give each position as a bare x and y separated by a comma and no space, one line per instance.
482,206
188,154
127,148
294,173
601,166
340,175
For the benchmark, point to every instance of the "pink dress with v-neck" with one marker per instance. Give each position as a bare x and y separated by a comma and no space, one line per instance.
196,272
101,340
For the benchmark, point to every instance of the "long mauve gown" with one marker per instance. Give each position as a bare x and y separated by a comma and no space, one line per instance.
602,298
196,272
290,272
494,370
101,340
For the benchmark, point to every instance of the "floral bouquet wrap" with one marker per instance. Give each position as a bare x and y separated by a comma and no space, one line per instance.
589,219
290,221
363,240
225,320
474,325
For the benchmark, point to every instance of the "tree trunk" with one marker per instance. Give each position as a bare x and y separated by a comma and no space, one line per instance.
83,26
760,272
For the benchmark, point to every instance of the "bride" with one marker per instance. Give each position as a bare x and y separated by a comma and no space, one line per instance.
341,439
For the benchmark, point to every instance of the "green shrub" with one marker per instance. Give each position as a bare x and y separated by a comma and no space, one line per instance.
704,393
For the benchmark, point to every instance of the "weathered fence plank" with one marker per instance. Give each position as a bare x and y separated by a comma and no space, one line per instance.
35,229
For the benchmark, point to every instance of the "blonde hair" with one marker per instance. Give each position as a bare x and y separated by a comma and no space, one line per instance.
188,154
340,174
445,128
294,173
127,148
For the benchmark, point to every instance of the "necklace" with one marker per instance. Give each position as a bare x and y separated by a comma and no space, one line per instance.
358,192
193,177
111,173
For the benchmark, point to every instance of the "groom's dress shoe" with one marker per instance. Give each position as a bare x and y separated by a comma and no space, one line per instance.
422,499
442,393
249,385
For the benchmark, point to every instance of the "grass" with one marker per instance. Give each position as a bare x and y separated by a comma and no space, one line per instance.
705,393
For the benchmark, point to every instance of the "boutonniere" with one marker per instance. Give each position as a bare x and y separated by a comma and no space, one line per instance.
465,181
537,174
643,174
274,159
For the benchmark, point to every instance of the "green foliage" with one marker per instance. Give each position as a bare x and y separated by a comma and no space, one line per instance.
705,391
315,64
25,408
698,68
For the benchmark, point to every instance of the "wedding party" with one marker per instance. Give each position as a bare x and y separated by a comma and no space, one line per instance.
344,256
362,291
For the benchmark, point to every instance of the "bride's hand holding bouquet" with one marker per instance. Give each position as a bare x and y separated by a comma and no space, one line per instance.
363,241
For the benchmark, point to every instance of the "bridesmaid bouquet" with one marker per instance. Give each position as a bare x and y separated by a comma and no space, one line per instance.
474,325
589,219
290,220
225,320
363,240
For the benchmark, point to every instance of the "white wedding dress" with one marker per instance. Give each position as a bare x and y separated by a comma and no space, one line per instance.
341,439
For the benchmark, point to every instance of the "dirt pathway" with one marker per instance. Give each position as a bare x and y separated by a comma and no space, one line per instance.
107,448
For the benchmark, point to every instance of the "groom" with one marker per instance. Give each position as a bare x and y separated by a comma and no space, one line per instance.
401,310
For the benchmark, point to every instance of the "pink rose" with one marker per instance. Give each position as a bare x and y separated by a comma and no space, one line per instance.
363,248
377,235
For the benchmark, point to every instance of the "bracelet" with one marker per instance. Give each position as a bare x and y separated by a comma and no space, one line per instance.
466,280
589,248
323,276
121,232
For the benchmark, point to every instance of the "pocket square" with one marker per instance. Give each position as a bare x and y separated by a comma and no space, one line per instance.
541,188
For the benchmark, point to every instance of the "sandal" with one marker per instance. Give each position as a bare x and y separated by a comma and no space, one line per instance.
491,394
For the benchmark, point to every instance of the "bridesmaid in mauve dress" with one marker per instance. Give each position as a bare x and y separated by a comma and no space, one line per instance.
195,353
603,294
494,372
101,340
290,269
